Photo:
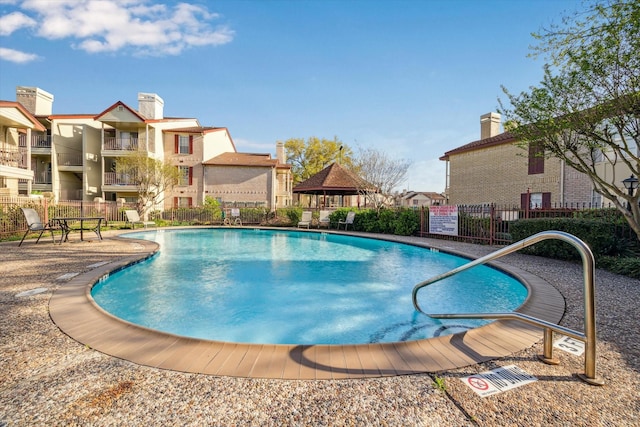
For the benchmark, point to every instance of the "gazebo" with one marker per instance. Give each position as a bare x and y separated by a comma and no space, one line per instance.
334,180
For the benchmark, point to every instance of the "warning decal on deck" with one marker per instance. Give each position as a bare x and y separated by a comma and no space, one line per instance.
570,345
498,380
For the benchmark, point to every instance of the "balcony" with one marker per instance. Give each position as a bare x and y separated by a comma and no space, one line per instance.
38,141
120,144
13,164
115,181
10,157
70,162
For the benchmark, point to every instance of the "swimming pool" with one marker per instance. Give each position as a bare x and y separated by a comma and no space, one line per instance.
290,287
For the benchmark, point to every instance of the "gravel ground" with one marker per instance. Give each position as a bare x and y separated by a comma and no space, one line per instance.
46,378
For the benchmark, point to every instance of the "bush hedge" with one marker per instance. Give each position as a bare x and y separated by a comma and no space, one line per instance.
403,222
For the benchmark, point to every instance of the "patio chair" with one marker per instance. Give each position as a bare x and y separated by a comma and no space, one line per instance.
306,219
134,218
35,224
324,219
348,220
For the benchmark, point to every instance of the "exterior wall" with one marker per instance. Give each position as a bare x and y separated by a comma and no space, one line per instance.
205,146
499,174
284,184
216,143
73,141
239,183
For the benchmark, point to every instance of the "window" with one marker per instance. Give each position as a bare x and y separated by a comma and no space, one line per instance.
536,159
596,199
184,144
182,202
186,175
535,200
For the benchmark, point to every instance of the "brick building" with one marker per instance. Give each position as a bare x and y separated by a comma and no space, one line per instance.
494,169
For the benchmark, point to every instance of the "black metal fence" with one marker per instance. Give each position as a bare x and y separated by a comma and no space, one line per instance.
485,224
490,223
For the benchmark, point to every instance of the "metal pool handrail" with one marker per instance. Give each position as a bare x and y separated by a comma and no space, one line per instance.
588,337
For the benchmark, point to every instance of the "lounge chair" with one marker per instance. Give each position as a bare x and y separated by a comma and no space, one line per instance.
306,219
134,218
35,224
324,219
348,220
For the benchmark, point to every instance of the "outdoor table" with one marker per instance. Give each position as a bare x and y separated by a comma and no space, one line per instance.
65,226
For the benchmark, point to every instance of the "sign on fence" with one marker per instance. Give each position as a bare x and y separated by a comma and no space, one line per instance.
443,220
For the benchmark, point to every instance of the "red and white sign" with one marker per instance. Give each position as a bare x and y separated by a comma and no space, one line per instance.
498,380
443,220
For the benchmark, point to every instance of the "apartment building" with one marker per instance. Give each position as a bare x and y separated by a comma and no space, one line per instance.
17,125
494,169
245,177
75,156
416,199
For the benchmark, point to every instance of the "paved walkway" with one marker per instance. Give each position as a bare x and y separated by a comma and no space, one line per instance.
47,378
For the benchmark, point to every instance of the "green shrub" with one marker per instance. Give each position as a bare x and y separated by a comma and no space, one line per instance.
604,238
294,214
626,266
403,222
407,222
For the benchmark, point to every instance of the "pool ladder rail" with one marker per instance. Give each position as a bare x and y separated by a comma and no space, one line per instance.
588,337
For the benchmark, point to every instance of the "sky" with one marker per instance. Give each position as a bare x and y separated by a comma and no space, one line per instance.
409,78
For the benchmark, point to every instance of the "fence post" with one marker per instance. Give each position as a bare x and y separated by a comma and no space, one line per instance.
46,210
492,224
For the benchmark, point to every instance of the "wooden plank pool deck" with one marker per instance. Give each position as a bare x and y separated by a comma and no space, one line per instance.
75,313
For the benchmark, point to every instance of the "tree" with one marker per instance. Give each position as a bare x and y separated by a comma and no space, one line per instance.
309,157
586,111
152,178
380,175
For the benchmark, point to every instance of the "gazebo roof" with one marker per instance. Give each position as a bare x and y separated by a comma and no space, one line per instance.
333,179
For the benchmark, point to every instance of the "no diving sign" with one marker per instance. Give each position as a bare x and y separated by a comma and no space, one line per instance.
498,380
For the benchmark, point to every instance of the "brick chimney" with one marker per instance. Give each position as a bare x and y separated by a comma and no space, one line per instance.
150,105
489,125
280,153
37,101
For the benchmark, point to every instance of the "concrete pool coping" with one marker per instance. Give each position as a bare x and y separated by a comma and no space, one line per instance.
74,312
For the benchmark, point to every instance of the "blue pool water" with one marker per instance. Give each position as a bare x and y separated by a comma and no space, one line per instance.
289,287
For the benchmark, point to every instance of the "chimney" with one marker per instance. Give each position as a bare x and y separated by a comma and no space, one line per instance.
37,101
150,105
489,125
280,154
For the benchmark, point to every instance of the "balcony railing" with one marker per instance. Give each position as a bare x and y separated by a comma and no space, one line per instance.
115,178
37,141
122,144
9,157
69,159
42,178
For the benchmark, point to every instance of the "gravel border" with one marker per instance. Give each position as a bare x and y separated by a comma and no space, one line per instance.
46,378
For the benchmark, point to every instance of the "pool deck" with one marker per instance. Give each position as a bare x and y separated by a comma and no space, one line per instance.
79,369
73,310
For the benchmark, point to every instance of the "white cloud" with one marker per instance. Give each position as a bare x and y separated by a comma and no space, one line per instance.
115,25
16,56
13,22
